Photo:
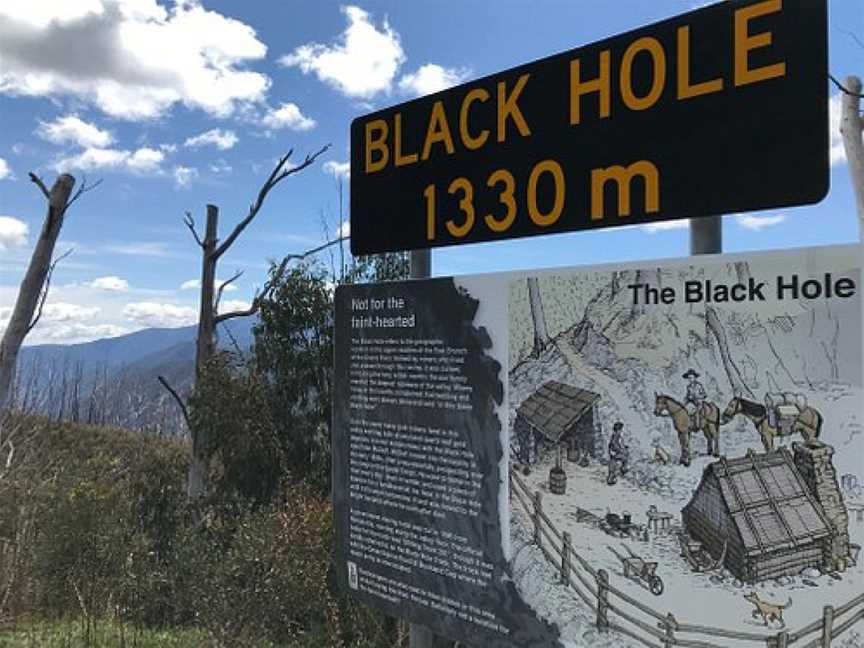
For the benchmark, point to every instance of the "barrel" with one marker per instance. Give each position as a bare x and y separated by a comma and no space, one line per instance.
557,481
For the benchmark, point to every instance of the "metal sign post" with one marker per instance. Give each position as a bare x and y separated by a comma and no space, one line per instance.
706,235
420,268
421,264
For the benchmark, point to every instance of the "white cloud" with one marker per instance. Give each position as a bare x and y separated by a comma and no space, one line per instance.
337,169
231,305
69,323
133,59
66,312
61,324
756,223
221,139
110,284
194,284
220,166
13,233
665,226
143,160
141,248
183,175
361,63
431,78
77,332
287,115
344,229
160,315
73,130
5,171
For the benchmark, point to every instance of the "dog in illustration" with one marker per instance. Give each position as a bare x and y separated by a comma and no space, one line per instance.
768,611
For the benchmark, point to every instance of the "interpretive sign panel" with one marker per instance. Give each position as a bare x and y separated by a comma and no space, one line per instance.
721,110
665,449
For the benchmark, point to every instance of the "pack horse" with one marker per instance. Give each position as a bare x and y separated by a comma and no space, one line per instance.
779,418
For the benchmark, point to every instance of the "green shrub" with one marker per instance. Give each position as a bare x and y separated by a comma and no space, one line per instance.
107,538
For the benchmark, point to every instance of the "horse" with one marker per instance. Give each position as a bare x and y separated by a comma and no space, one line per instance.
808,422
668,406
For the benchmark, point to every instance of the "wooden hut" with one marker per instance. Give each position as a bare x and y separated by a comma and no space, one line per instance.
762,509
558,416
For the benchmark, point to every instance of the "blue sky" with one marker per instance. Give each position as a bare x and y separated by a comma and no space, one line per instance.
174,105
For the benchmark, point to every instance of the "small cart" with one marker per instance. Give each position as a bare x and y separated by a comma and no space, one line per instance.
642,571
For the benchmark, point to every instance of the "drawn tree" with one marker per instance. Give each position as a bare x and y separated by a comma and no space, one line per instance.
209,317
541,334
739,387
37,279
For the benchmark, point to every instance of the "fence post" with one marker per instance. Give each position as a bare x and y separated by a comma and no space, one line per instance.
602,600
566,548
669,642
827,625
780,641
538,520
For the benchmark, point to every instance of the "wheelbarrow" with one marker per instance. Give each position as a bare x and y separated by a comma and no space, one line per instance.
640,570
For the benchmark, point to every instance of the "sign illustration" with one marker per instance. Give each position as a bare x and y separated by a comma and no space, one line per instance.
661,451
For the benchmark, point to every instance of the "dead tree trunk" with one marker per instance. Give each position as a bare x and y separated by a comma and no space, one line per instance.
209,317
851,128
541,334
33,290
739,387
205,342
205,345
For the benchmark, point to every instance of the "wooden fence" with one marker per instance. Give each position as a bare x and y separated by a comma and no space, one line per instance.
618,611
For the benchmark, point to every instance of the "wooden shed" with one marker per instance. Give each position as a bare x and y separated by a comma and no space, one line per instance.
558,416
760,506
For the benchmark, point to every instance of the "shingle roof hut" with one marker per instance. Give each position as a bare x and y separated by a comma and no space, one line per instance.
559,414
765,512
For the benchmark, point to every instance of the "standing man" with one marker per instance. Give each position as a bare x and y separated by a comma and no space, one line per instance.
694,400
619,454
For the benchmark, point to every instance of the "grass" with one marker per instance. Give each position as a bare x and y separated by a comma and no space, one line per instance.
102,634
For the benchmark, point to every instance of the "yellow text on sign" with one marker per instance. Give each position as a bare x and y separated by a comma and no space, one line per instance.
494,115
504,187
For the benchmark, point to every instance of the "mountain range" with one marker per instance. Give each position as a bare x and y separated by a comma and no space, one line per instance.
114,380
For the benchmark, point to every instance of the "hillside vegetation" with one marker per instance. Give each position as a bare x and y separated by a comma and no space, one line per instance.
100,546
96,537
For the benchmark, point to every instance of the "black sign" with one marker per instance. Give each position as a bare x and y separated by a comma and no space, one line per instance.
417,464
721,110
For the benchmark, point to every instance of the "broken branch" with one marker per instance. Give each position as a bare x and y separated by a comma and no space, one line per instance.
44,296
278,174
38,182
177,398
190,223
84,188
222,287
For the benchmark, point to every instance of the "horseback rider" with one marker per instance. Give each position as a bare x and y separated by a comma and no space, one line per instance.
619,454
695,399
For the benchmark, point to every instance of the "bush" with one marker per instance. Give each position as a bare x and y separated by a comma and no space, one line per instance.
106,534
71,503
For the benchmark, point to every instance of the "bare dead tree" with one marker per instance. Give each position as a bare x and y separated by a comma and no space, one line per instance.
34,288
851,129
209,317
